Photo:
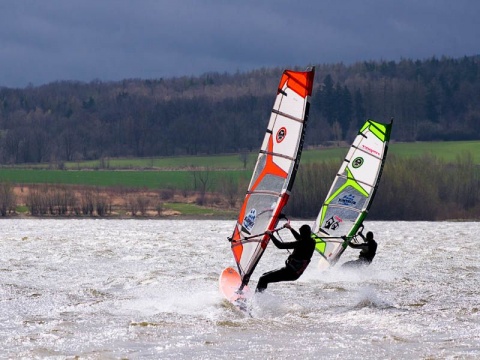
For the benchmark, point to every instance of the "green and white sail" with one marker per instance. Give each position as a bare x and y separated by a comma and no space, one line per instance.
351,194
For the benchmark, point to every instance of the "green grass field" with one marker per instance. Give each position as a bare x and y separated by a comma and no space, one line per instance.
447,151
110,178
177,163
172,172
444,150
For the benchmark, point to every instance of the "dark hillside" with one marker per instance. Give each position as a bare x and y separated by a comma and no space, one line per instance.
433,99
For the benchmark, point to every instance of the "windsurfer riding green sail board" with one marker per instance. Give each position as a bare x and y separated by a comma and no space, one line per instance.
351,194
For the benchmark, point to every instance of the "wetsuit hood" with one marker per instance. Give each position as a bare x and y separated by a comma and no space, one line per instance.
305,232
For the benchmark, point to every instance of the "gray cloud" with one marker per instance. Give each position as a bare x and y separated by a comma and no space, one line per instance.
49,40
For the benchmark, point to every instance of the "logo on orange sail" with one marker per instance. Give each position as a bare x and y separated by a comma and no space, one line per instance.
249,221
281,133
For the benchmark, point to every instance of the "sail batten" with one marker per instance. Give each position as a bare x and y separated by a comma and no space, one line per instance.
265,192
274,172
287,115
276,154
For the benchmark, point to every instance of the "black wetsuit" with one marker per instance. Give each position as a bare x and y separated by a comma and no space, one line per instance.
296,263
369,249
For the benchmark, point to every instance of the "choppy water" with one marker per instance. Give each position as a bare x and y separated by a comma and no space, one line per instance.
110,289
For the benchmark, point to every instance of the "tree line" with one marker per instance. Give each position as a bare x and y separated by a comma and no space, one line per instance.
432,99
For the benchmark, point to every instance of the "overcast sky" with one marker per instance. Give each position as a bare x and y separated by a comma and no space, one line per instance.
47,40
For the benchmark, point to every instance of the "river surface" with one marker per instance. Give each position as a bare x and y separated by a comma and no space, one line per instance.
148,289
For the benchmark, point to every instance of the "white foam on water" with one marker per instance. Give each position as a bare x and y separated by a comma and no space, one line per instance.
149,289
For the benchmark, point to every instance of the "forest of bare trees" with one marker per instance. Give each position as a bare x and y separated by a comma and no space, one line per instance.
433,99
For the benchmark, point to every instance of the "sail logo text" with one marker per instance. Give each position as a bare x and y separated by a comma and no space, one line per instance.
370,150
249,221
347,200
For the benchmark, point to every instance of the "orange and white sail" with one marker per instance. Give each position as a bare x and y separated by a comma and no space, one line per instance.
274,173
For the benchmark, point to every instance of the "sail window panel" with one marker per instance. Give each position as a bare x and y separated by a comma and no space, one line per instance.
248,261
263,204
271,183
249,251
262,159
339,183
339,220
348,196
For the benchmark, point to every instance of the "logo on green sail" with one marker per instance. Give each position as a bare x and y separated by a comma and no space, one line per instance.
357,162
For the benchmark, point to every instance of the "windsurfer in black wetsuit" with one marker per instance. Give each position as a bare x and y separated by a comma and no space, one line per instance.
369,249
296,263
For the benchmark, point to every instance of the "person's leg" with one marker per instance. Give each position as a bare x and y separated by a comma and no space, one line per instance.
283,274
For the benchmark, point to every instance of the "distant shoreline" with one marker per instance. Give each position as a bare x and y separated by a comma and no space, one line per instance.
181,217
114,217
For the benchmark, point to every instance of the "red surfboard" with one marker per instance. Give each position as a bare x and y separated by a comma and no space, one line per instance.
230,282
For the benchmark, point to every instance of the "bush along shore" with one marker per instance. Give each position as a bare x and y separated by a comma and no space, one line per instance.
83,201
